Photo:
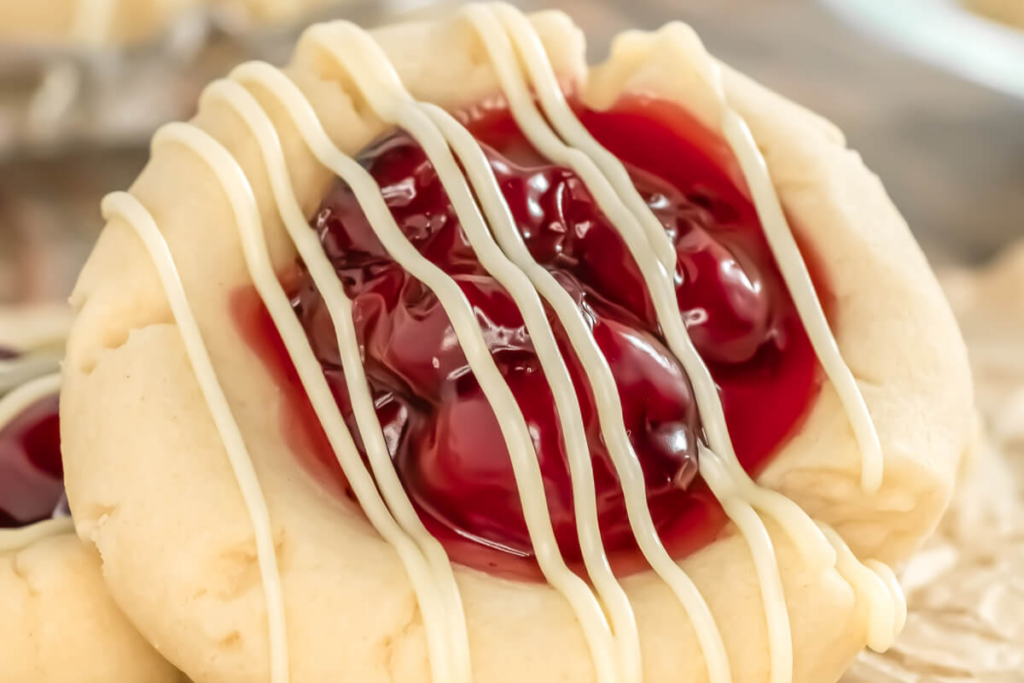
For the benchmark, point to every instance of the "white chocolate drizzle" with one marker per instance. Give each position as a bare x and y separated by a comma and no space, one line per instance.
488,20
377,81
657,279
513,47
35,335
127,208
798,280
14,403
243,203
525,466
340,309
27,330
877,584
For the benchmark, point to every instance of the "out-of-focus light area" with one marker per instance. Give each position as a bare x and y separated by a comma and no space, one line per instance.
929,92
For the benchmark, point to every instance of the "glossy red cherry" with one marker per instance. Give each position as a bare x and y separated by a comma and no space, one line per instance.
444,437
31,472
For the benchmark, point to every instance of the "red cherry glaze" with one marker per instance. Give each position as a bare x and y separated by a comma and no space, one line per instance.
31,471
445,439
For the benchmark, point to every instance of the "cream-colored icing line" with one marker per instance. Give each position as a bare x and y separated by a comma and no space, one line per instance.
16,371
724,486
531,51
427,580
876,583
656,278
766,201
12,405
470,336
377,81
658,282
565,122
899,600
801,287
21,398
36,337
340,310
243,203
44,327
552,100
609,589
127,208
595,365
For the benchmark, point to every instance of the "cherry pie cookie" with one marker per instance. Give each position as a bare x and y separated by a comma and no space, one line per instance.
441,356
59,624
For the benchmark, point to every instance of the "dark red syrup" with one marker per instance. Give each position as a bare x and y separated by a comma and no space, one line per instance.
31,471
443,436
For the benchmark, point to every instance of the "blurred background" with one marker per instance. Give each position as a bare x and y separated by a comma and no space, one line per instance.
931,92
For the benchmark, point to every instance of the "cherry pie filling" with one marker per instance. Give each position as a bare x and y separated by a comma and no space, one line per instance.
442,434
31,471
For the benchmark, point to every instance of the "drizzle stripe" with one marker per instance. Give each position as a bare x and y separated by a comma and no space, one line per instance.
340,309
379,83
766,201
873,587
899,600
659,284
126,207
243,203
565,122
801,288
802,530
514,430
12,404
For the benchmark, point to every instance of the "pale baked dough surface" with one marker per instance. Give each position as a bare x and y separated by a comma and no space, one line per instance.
59,625
57,621
150,484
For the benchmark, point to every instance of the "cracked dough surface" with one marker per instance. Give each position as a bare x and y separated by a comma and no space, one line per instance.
59,625
151,487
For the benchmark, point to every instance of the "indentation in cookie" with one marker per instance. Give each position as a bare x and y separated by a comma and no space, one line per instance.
237,571
98,334
445,440
232,641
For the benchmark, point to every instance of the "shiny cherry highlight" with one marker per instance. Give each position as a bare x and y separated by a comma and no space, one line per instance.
444,437
31,471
